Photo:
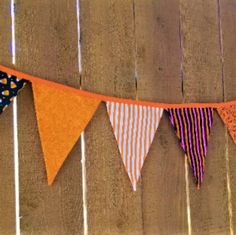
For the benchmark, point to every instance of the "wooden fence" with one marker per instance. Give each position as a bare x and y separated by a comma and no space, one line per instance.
157,50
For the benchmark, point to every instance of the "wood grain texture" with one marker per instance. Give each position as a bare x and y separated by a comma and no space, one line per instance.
159,79
203,83
7,198
227,16
108,52
46,41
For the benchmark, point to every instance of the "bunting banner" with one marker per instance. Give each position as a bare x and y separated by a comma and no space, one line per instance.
61,116
228,115
134,128
9,88
192,127
64,112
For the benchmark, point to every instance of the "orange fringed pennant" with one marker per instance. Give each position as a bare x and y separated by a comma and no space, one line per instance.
62,116
228,115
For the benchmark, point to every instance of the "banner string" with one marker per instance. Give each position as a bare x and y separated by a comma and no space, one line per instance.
104,98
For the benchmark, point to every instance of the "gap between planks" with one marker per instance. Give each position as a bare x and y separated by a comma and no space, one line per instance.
83,155
15,126
228,182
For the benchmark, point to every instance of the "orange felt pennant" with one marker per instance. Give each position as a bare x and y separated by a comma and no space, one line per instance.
228,115
62,116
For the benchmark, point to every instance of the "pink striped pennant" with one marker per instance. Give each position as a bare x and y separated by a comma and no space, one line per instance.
134,128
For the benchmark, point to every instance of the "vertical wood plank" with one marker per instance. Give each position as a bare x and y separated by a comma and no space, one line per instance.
47,47
159,79
108,68
228,21
203,83
7,199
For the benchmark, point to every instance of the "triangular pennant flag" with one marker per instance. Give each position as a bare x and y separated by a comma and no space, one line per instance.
192,127
134,128
228,115
9,88
62,116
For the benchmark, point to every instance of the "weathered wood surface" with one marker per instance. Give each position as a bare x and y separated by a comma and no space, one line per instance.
46,40
165,50
7,198
159,79
202,82
228,20
108,62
